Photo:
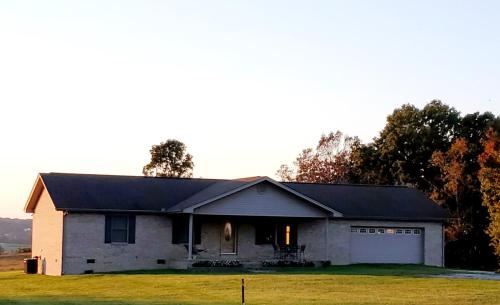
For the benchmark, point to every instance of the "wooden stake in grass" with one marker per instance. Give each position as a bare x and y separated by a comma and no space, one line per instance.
243,291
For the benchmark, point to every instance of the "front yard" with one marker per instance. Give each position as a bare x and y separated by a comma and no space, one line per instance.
332,285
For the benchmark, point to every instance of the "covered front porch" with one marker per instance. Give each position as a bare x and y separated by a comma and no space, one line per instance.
252,240
257,222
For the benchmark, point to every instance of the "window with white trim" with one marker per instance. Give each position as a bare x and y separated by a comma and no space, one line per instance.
372,231
416,231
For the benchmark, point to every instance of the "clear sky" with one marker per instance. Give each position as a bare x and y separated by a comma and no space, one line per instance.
89,86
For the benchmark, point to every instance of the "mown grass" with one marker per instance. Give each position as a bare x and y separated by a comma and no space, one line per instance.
354,285
359,269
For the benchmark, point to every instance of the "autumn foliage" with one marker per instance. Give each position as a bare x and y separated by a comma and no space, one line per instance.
435,149
490,184
330,162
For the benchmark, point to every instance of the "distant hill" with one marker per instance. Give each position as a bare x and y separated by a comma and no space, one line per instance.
15,231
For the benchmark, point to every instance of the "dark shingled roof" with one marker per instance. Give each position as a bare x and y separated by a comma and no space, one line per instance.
135,193
372,201
84,192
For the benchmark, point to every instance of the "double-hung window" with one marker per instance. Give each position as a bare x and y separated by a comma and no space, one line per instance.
120,228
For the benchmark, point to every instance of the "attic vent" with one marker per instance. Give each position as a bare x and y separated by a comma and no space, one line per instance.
261,188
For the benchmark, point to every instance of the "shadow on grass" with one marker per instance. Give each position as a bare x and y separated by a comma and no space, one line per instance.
358,269
76,301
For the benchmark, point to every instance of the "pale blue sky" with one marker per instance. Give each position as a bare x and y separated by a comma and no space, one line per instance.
89,86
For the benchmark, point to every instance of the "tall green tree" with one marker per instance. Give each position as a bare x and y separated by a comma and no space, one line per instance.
169,159
409,139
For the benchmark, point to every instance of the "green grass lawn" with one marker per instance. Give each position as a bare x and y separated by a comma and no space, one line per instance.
332,285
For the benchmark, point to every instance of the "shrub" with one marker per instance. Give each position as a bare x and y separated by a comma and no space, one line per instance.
217,263
286,263
326,263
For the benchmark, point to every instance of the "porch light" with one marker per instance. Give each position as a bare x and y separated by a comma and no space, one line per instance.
287,235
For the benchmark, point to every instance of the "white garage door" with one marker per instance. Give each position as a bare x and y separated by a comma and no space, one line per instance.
385,245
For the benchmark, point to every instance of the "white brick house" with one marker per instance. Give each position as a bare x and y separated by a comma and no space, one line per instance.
98,223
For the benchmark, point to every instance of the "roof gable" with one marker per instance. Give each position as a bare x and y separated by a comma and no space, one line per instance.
263,199
34,195
223,189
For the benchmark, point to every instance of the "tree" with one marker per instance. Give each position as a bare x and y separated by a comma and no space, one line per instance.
457,188
489,176
436,150
409,139
328,163
169,159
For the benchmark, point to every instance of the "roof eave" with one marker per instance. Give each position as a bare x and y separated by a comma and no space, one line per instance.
36,191
387,218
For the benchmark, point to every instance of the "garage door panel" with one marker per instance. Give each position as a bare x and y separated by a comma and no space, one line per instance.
386,248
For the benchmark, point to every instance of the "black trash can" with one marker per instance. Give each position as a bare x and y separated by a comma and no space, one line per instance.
30,265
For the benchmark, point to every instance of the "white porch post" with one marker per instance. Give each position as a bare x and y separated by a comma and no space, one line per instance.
190,239
326,238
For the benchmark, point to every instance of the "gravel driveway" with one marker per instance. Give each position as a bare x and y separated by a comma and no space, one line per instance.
478,275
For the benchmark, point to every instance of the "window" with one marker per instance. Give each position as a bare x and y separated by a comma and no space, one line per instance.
119,229
354,230
180,230
416,231
389,231
362,230
408,231
264,233
381,231
399,231
371,231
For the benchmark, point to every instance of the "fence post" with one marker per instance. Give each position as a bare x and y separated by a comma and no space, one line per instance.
243,291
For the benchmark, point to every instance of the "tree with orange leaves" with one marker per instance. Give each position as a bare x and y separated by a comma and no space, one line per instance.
329,163
489,175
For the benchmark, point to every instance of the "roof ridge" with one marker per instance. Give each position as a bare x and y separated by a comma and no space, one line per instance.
346,184
132,176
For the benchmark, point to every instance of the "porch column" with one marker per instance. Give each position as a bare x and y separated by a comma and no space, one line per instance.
326,238
190,239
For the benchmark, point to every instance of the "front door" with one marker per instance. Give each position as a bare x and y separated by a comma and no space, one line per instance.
228,238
